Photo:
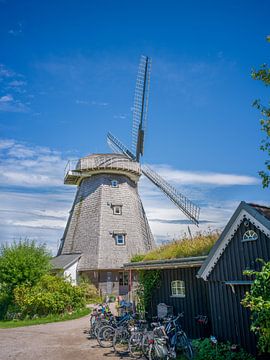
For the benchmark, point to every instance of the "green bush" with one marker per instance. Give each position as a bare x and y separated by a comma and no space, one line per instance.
258,300
90,292
206,350
22,262
51,295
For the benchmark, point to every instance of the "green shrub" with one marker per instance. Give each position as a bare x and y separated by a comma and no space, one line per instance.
206,350
22,262
51,295
90,292
258,300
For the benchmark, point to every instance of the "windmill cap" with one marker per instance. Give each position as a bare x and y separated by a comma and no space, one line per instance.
101,163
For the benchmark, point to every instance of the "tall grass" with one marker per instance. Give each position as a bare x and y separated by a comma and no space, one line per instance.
199,245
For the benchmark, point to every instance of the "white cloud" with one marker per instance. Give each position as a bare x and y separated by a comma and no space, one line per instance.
89,102
5,144
17,83
6,98
5,72
30,166
204,178
120,116
11,82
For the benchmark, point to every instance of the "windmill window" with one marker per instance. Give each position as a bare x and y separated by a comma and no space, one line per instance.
250,235
178,288
114,183
117,209
120,239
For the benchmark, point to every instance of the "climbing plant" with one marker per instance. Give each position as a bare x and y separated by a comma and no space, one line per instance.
258,300
148,281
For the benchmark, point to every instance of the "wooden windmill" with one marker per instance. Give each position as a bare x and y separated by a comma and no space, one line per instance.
107,223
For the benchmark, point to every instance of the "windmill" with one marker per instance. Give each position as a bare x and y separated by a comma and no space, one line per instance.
140,111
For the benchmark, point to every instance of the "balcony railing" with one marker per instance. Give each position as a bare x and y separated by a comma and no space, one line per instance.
102,162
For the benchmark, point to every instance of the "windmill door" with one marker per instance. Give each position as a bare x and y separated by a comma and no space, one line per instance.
123,282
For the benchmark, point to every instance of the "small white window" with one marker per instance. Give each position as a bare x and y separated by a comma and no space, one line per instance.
120,239
117,209
178,288
250,235
114,183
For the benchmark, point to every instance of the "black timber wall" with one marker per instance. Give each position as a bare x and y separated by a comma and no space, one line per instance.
230,320
194,303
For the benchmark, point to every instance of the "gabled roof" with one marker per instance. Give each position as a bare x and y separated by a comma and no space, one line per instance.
256,214
64,261
195,261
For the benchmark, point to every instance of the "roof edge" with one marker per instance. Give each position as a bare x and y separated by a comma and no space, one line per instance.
166,263
68,264
227,234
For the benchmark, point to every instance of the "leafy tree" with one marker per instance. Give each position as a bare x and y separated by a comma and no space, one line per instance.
22,262
258,300
263,74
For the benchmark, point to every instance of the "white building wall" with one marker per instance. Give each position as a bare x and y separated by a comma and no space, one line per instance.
71,273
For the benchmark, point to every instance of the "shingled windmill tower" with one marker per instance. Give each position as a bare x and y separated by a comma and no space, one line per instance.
107,223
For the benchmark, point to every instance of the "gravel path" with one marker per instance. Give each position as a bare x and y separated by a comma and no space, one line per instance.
57,341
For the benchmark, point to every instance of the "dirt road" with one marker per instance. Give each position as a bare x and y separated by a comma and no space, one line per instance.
57,341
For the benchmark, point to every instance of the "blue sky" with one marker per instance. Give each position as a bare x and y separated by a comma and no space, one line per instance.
67,76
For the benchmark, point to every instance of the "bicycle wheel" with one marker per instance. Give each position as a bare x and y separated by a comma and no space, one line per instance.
121,341
183,345
135,345
98,325
105,336
188,352
152,354
146,339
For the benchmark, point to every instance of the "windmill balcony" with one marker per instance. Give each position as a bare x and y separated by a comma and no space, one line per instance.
76,170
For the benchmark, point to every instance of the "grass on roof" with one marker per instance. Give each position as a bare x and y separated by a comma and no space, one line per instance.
199,245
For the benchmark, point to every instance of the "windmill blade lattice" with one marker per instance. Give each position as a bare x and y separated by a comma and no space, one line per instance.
140,107
191,210
119,147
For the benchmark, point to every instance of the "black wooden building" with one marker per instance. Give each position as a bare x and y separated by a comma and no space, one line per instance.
214,286
245,239
180,288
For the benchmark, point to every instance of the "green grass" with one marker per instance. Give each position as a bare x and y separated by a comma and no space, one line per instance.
44,320
200,245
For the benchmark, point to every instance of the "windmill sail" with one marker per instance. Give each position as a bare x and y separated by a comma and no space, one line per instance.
140,107
118,147
191,210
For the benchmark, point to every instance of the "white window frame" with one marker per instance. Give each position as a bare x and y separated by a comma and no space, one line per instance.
115,208
250,235
178,288
114,183
117,237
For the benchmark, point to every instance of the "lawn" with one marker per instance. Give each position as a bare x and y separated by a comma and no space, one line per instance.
44,320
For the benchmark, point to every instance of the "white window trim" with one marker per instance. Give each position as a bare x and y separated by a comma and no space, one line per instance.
116,239
181,288
248,236
117,207
114,183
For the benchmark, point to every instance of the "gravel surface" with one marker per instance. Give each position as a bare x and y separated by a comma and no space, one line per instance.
65,340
